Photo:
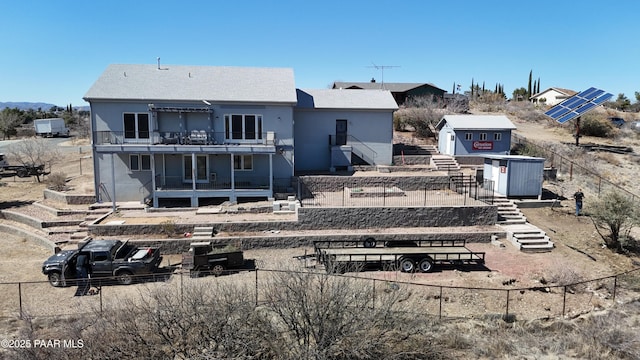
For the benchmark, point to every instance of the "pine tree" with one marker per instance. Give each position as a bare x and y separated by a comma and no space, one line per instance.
529,86
472,88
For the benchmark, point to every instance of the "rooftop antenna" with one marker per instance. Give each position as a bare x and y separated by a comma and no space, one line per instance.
381,68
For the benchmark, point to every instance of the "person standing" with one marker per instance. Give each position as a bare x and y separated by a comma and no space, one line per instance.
578,196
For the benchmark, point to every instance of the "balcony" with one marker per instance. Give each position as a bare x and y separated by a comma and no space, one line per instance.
192,137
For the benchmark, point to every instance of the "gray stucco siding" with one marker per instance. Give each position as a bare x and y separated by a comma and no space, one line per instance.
314,128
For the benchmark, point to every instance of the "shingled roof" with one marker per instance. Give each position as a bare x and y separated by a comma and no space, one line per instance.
189,83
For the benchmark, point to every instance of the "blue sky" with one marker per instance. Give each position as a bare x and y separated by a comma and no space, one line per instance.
53,51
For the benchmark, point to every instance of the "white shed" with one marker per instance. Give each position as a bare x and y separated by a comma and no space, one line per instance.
515,175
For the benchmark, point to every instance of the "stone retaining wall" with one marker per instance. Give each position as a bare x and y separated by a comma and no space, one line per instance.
406,183
70,199
331,218
32,237
177,246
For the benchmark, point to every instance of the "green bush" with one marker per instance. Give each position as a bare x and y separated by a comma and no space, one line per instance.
592,126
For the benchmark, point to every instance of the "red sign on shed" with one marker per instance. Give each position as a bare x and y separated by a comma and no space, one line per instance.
482,145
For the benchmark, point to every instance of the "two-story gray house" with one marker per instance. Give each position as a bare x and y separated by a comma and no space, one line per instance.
204,134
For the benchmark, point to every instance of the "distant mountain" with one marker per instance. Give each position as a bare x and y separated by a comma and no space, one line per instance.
26,105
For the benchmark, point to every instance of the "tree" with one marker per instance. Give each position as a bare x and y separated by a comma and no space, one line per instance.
519,94
33,152
9,120
529,86
622,102
617,213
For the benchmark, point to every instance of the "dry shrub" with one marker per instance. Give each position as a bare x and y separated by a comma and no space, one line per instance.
57,182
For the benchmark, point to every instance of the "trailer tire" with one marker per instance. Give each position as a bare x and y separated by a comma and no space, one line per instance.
22,173
425,265
217,269
407,265
369,242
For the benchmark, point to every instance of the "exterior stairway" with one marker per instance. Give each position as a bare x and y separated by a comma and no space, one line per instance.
202,233
523,235
445,163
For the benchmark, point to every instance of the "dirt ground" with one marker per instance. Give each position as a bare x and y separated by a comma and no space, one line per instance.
579,254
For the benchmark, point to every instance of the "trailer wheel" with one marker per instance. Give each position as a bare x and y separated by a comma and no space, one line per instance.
425,265
369,242
217,269
22,173
407,265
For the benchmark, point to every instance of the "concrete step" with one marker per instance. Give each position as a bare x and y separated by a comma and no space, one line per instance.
513,222
537,248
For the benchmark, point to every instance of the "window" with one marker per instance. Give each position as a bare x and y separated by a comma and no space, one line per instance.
136,126
497,136
101,256
202,168
483,136
243,162
242,127
139,162
468,136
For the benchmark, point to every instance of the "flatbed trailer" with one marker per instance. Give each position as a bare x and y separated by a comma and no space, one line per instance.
407,259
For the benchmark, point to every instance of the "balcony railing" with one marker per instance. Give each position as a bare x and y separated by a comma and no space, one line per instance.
213,183
193,137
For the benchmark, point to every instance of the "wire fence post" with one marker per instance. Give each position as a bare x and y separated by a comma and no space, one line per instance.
506,313
615,285
373,295
564,300
100,292
440,309
20,298
256,287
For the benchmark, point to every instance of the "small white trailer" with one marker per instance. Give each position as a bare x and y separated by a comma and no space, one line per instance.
50,127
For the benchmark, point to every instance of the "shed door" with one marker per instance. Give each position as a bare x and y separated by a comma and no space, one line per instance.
451,140
341,132
495,174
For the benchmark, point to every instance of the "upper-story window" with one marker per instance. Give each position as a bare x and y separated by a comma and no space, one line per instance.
136,125
242,127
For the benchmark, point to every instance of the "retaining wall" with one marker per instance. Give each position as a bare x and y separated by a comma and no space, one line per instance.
70,199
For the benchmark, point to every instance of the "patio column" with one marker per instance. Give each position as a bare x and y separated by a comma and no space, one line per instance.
271,174
153,180
233,180
194,198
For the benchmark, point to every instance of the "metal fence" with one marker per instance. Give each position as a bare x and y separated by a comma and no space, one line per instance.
39,299
459,190
587,178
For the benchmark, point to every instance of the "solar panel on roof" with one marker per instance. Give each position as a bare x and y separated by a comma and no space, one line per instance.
578,104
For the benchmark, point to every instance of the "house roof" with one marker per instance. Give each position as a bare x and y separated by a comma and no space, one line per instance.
566,92
189,83
346,99
476,122
393,87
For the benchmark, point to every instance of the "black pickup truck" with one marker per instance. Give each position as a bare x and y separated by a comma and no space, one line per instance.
106,258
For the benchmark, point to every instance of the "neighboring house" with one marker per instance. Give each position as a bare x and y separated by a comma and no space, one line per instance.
400,91
552,96
474,134
333,126
203,134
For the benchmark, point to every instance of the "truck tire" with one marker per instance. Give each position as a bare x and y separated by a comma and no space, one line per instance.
369,242
407,265
55,279
425,265
217,269
124,277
